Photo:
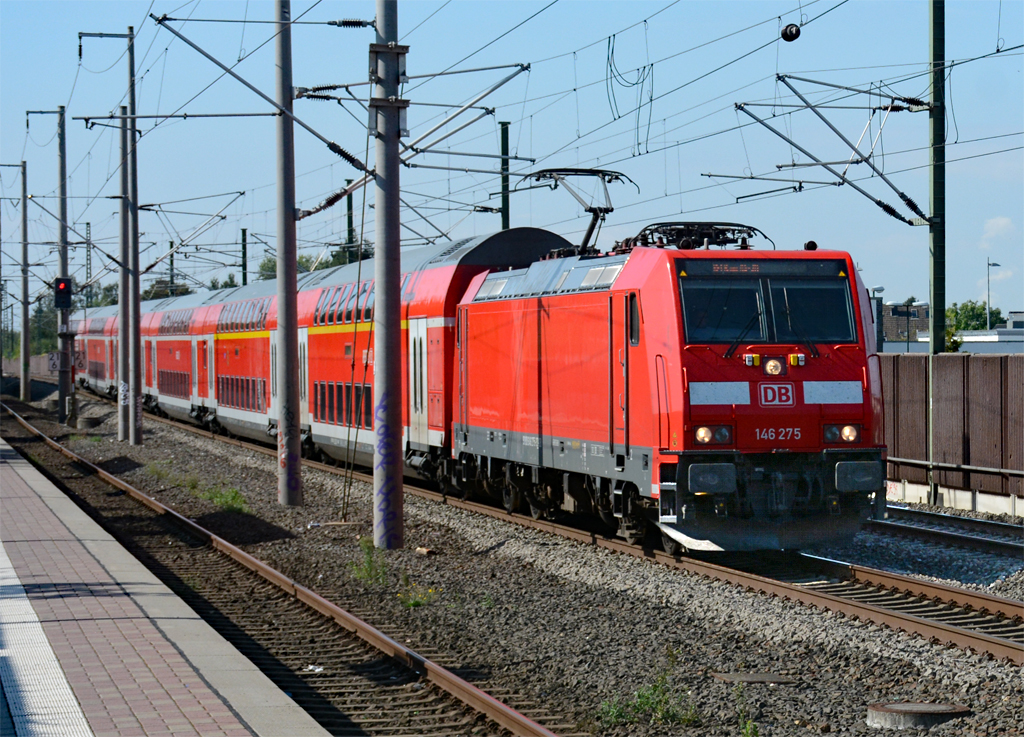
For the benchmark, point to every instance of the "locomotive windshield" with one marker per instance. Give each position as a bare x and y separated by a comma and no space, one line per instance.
766,301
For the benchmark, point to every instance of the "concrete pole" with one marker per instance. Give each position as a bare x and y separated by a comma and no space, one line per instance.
122,290
289,440
135,309
937,222
245,260
170,289
388,463
26,386
504,177
63,316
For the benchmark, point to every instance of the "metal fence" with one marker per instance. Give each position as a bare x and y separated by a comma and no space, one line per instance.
978,402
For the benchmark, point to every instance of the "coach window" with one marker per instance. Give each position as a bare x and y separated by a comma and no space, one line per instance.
351,293
367,406
332,308
330,403
368,309
339,313
634,320
318,317
250,315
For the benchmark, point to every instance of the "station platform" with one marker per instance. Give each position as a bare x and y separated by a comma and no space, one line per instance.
91,643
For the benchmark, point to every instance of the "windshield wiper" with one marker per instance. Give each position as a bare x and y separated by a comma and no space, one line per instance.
801,334
750,323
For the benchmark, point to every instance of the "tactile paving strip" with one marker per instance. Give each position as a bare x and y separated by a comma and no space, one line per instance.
38,695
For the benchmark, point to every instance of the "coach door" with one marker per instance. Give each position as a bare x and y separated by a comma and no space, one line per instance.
418,382
304,376
195,369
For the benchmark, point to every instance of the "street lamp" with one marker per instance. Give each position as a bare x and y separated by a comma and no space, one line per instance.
879,332
908,306
988,295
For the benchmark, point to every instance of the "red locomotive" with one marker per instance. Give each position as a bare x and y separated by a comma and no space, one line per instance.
682,383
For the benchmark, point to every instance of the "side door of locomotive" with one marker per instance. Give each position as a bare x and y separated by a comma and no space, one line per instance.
418,427
618,375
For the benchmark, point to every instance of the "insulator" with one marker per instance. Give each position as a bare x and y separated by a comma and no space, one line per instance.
914,101
791,32
347,156
350,23
888,209
324,88
912,205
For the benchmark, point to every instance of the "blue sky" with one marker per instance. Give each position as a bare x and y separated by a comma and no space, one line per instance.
686,64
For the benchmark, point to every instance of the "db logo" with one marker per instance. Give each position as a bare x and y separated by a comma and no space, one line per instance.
776,395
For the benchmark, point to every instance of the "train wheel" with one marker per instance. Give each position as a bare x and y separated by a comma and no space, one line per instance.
511,498
671,545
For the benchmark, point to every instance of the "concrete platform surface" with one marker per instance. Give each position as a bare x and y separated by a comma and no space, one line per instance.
91,643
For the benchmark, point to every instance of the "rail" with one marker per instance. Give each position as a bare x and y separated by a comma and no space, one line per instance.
441,677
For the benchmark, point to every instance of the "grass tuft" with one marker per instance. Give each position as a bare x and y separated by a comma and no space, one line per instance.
657,703
372,568
227,498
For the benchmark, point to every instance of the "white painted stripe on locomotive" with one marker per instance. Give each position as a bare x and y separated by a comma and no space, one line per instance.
440,322
719,392
833,392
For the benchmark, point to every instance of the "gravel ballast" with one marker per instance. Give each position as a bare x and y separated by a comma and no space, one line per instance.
584,631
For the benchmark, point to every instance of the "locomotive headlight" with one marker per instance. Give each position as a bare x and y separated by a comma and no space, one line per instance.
773,367
842,433
714,435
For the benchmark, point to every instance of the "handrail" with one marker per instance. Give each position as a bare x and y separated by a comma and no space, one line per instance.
955,467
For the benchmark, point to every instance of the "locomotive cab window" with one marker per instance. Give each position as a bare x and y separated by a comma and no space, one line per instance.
784,301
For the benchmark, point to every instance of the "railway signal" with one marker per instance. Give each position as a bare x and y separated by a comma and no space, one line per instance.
62,292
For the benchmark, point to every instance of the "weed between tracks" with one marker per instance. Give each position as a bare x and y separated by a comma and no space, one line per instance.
227,498
658,703
748,727
372,568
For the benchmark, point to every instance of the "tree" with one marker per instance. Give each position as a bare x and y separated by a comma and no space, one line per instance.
163,288
910,300
228,283
970,315
43,327
304,263
107,296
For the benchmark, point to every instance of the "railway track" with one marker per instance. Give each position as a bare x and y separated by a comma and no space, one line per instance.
352,677
939,613
977,534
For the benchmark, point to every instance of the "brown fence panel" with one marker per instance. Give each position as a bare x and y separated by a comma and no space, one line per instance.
951,440
985,419
887,368
912,418
1013,424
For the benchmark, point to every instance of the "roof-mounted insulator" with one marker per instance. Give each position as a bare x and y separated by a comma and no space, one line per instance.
352,23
